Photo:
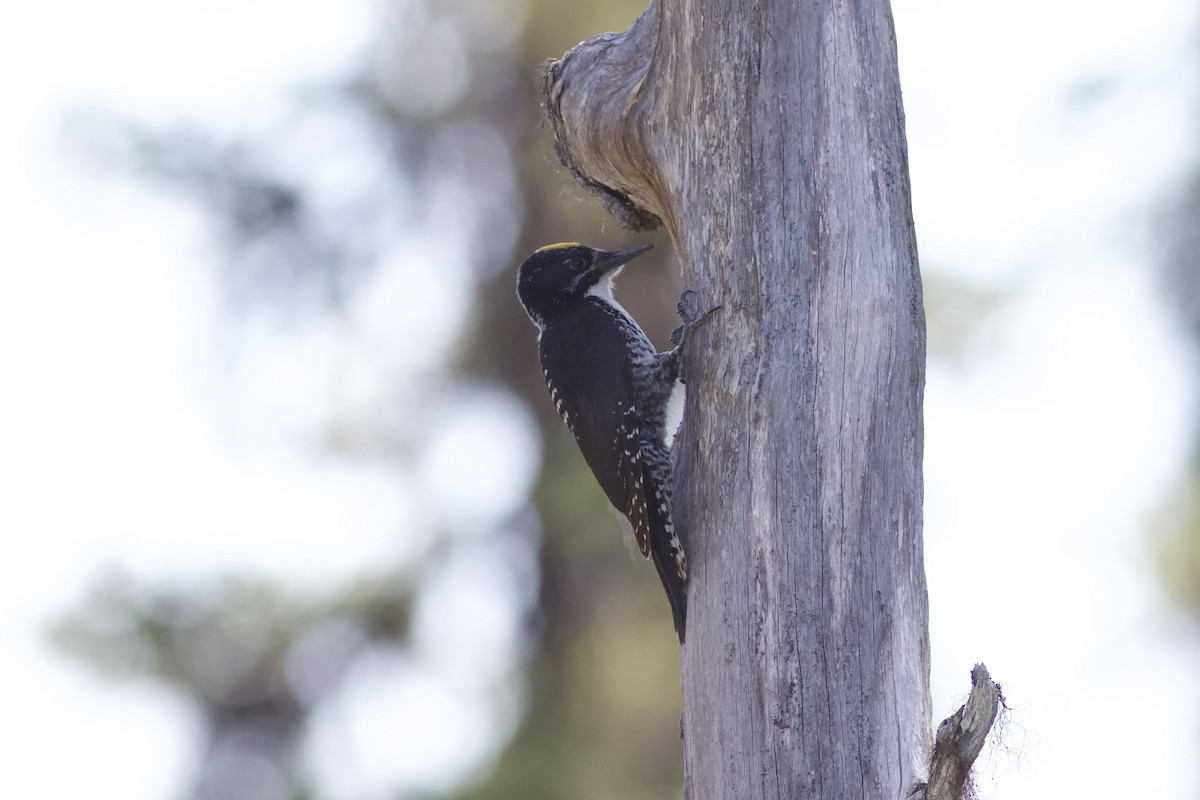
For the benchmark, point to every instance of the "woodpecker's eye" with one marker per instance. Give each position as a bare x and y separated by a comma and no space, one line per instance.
578,264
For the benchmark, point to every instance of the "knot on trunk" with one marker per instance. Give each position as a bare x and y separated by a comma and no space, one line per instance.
599,104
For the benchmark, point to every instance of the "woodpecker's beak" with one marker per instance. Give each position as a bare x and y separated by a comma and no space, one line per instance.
608,261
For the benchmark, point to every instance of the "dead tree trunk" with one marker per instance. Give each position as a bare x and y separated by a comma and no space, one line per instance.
768,137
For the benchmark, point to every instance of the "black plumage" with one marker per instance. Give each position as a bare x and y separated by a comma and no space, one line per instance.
611,389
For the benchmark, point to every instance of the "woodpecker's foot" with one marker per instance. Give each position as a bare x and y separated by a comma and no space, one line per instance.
690,321
681,308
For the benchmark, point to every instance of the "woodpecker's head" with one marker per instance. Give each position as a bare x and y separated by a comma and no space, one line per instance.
557,276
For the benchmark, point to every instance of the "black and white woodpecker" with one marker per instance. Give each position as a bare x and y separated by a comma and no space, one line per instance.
612,389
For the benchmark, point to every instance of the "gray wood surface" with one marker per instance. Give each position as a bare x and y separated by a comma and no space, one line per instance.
768,137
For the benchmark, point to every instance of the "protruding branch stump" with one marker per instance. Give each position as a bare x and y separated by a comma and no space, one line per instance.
960,738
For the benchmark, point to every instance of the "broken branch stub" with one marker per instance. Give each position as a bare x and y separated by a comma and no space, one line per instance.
960,738
598,102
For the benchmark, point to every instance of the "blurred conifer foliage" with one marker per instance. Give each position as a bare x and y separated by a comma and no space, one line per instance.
433,148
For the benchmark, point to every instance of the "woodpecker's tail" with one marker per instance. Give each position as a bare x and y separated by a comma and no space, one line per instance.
666,550
676,589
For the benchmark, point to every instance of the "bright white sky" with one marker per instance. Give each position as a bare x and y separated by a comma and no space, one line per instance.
1042,134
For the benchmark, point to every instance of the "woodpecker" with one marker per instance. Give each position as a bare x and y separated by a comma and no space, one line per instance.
611,388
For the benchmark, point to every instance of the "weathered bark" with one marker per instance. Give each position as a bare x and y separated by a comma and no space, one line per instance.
960,737
769,138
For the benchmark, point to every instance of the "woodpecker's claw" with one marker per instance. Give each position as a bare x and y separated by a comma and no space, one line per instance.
690,321
681,307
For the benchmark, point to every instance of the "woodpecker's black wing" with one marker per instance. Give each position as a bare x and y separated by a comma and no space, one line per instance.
587,358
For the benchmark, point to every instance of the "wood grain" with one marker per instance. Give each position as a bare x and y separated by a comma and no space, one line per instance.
768,137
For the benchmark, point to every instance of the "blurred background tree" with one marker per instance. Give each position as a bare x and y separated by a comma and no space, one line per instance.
434,138
1177,534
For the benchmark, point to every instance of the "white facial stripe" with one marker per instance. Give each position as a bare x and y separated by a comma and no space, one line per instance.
603,289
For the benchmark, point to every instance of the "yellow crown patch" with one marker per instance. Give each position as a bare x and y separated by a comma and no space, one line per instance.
558,246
